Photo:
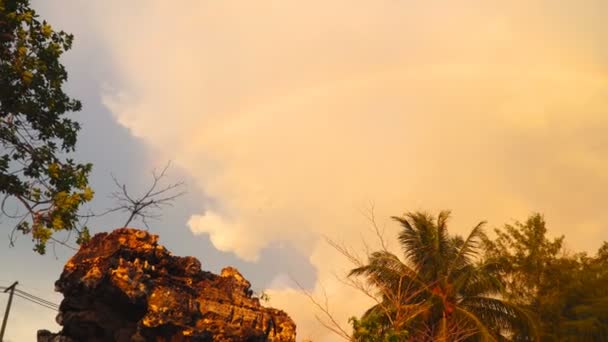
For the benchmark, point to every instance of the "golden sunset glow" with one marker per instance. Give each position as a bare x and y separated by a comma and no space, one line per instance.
294,116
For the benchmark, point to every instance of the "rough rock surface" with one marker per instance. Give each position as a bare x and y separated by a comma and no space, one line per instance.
124,286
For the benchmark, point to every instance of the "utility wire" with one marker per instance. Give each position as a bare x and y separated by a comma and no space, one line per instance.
34,299
35,302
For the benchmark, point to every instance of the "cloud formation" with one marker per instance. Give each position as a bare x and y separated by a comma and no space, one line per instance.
294,115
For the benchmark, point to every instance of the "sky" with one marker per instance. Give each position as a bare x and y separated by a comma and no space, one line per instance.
289,119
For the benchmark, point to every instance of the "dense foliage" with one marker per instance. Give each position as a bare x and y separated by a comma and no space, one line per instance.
438,291
567,293
517,286
42,188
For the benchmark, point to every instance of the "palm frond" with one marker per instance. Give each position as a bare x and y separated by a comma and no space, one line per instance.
386,271
475,280
443,238
483,332
502,315
425,243
469,248
438,285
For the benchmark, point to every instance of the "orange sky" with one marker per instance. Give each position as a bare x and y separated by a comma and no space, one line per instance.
294,115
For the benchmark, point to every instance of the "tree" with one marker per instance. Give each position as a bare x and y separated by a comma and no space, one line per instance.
526,256
43,188
440,291
374,328
567,293
582,308
147,205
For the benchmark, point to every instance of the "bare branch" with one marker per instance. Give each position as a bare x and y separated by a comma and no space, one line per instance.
330,321
153,199
400,301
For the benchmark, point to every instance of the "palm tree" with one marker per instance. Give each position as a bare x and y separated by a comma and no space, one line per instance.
440,291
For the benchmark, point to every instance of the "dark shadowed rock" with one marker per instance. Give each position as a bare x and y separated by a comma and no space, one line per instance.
124,286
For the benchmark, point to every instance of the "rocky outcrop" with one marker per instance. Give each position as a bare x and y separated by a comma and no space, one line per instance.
124,286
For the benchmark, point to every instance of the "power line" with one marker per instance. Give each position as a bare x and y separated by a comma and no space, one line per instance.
23,295
34,299
32,296
35,302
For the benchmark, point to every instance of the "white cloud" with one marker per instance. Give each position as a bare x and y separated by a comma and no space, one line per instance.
292,115
225,235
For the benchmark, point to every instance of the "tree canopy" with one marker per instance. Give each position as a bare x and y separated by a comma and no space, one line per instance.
438,291
518,285
566,292
42,187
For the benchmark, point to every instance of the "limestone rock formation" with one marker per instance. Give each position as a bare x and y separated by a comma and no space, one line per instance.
124,286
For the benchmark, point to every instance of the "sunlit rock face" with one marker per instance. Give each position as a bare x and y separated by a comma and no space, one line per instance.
124,286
